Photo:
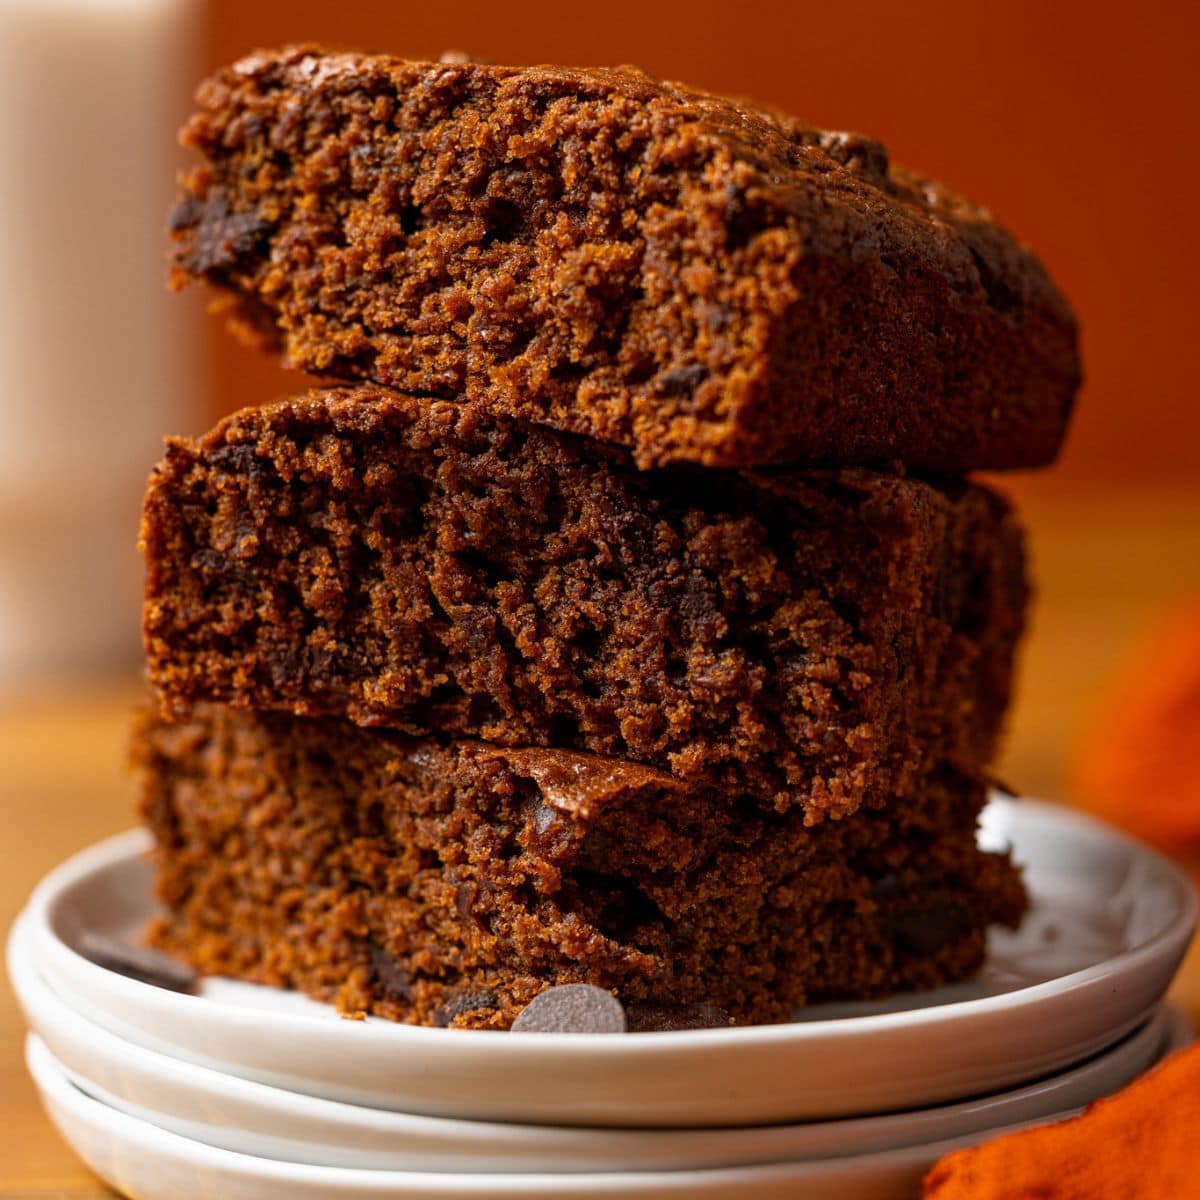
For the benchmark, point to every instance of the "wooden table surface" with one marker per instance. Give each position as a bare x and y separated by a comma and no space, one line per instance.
1107,565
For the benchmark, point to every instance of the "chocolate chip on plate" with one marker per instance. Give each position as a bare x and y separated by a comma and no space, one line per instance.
136,962
668,1018
572,1008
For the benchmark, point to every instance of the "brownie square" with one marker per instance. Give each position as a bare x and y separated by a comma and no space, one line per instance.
816,640
449,883
635,261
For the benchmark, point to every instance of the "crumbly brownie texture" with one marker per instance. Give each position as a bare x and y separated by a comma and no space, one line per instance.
448,885
631,260
815,640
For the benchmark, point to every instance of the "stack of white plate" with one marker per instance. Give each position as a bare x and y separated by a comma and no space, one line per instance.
250,1092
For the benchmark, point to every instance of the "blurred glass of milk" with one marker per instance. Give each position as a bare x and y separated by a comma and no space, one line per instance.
95,360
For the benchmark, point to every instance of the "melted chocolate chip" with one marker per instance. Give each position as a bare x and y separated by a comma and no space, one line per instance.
682,381
886,887
136,962
185,214
926,929
667,1018
222,237
391,975
471,1000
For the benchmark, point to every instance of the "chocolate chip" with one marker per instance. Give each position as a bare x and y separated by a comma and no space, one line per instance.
221,237
391,975
667,1018
464,1002
467,901
542,816
572,1008
185,214
136,962
926,929
682,381
886,887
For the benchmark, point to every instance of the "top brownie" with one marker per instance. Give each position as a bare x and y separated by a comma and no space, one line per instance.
630,260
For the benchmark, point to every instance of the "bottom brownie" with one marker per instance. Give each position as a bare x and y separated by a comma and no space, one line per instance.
448,885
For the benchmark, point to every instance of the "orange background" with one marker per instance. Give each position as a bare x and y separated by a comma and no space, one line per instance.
1076,122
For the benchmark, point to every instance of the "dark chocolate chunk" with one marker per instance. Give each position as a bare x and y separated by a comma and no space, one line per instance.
667,1018
136,962
682,381
391,974
469,1001
186,212
925,929
222,236
886,887
572,1008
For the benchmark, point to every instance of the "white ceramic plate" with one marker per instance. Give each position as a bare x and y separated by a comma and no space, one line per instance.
144,1162
251,1118
1110,922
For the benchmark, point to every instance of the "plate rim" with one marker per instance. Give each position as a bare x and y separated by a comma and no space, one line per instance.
53,1082
1165,1025
121,846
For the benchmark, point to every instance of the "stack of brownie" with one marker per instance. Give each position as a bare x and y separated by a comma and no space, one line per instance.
623,616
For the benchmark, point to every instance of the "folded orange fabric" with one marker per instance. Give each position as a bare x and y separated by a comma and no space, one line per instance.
1139,761
1140,1144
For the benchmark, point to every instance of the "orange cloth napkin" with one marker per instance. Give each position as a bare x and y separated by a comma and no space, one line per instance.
1141,1144
1139,762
